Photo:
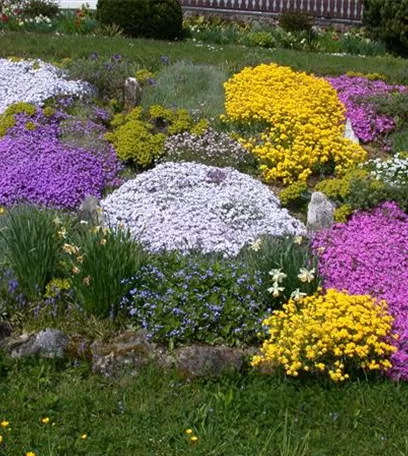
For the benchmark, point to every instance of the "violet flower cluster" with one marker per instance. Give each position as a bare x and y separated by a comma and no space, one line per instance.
37,167
369,255
367,123
34,82
185,206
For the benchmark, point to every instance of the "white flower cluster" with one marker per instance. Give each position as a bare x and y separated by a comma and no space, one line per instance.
393,171
184,206
36,20
34,82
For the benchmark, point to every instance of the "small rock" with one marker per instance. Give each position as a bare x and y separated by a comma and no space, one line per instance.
132,94
130,350
207,361
349,132
320,213
49,343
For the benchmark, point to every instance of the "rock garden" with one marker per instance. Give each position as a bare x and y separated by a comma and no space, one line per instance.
199,256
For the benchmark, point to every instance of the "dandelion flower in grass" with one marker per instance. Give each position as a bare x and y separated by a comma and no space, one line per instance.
188,431
30,453
275,290
306,276
1,439
194,439
84,436
277,275
45,420
4,423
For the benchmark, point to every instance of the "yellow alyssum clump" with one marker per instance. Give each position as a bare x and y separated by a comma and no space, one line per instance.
329,333
302,118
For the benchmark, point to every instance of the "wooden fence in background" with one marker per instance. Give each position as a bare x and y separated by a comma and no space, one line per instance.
336,10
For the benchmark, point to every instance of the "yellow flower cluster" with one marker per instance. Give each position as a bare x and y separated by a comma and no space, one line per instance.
140,136
302,119
330,334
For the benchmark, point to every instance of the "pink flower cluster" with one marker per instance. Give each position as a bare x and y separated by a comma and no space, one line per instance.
367,123
369,255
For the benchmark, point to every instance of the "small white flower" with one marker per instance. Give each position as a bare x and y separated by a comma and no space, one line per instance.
297,295
275,290
256,245
306,276
277,275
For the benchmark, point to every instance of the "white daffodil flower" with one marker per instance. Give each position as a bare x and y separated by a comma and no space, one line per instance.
275,290
297,295
277,275
306,276
256,245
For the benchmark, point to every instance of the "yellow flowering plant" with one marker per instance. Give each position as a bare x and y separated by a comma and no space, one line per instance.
331,334
302,123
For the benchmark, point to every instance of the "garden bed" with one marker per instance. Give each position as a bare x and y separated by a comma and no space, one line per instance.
172,233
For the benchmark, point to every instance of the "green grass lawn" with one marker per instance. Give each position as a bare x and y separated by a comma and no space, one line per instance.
231,58
237,415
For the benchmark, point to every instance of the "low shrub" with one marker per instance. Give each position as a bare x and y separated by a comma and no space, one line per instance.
157,19
295,21
45,8
388,20
333,334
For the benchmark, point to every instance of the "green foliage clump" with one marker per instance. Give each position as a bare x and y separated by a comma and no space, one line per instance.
360,190
294,194
295,21
140,136
32,247
387,20
157,19
100,259
343,213
394,104
262,39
